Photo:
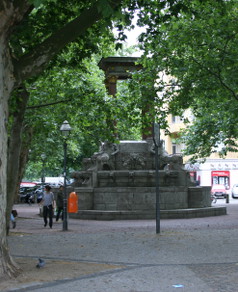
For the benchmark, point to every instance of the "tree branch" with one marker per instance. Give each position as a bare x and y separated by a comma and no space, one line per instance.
11,13
218,76
34,62
47,104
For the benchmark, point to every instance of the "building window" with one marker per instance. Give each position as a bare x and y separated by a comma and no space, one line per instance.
177,148
174,149
176,120
221,177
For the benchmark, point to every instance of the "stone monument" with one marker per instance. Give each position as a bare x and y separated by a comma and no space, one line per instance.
118,182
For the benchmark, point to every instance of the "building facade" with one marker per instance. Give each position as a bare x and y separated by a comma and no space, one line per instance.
214,170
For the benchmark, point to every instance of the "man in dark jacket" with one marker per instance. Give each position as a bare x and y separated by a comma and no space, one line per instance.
59,203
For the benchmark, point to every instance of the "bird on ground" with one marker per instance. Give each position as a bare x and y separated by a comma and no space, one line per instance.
40,264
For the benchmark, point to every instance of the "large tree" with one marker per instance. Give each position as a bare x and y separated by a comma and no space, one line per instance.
195,54
16,66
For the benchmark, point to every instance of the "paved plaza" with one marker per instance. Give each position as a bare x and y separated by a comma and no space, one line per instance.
127,256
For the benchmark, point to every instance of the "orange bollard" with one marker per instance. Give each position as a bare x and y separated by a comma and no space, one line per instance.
73,203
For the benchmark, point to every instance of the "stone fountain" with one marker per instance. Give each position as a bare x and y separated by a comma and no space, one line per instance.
118,182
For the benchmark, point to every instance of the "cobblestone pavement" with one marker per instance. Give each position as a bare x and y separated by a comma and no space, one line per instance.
199,254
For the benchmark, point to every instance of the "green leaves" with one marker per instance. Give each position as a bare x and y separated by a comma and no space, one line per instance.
196,45
79,96
37,3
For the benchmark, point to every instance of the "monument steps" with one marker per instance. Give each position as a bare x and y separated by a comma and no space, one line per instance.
140,215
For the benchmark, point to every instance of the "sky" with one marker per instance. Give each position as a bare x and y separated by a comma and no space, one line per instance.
132,37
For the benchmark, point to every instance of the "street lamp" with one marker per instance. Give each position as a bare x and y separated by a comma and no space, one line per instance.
156,138
43,157
65,130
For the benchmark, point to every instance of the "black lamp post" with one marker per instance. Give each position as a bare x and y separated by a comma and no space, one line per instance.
65,129
43,157
156,138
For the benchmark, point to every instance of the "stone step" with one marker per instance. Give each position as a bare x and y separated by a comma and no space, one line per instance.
135,215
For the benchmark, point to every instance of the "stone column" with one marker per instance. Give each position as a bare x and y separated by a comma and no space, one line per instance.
111,85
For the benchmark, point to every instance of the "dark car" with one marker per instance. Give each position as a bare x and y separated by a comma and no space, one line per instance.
39,193
27,195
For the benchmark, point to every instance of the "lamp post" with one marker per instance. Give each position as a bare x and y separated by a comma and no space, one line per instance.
65,130
43,157
156,138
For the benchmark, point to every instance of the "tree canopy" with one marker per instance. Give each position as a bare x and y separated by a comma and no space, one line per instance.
79,95
194,51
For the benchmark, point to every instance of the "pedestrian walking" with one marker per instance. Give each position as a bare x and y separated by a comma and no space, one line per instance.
48,206
60,203
13,218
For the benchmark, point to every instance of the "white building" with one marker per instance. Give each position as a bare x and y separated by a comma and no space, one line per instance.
214,170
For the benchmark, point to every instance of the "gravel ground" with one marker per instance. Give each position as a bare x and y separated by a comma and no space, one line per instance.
126,256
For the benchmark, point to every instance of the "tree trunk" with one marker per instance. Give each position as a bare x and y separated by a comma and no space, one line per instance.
24,155
7,265
9,16
14,149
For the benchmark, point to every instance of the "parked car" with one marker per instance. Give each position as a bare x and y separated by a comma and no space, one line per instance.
39,193
219,191
27,195
234,191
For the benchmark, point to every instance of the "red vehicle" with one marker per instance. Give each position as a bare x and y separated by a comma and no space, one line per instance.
219,191
28,184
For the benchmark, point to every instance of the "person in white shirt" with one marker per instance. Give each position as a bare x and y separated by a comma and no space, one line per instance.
48,206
